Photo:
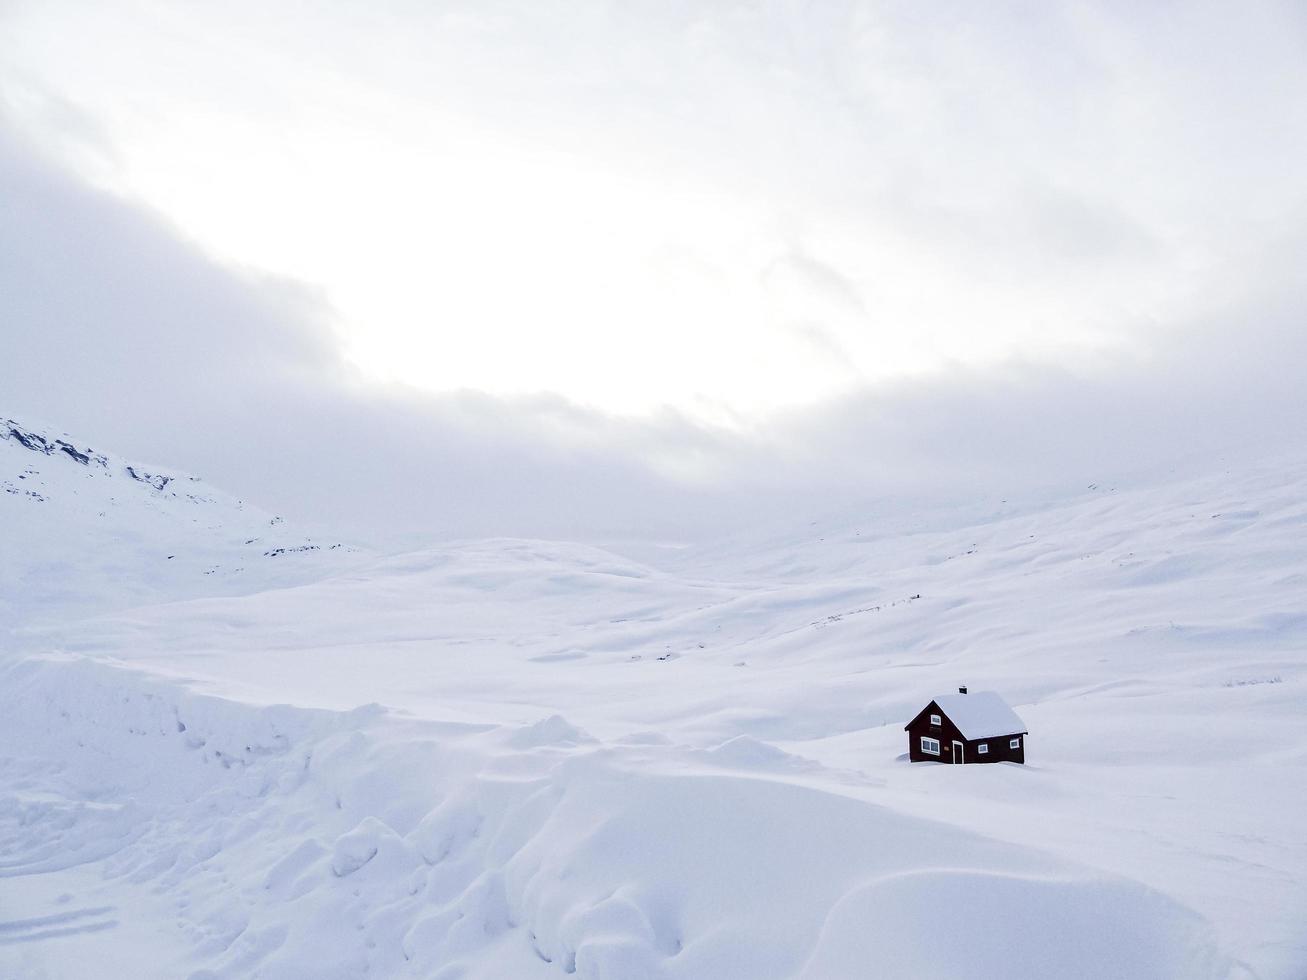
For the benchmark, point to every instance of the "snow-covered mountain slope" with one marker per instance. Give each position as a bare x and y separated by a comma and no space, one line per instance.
532,759
86,531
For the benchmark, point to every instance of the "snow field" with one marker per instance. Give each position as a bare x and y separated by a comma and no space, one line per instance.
288,842
533,759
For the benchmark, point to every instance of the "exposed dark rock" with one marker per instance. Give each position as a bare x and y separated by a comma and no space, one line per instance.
38,443
28,440
286,551
156,480
19,492
73,451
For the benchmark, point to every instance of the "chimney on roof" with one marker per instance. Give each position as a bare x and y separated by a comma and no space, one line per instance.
962,689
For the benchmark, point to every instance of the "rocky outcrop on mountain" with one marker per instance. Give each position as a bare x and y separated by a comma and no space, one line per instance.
49,445
39,443
153,534
156,480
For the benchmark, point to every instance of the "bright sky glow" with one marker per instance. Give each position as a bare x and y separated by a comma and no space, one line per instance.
725,213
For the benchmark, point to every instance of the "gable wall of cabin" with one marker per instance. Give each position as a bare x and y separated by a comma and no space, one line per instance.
945,733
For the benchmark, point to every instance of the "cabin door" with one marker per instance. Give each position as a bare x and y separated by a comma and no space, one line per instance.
957,754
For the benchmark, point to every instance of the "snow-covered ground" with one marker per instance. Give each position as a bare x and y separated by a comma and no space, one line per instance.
87,531
508,758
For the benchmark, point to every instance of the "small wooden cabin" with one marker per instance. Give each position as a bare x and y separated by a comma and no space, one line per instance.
961,728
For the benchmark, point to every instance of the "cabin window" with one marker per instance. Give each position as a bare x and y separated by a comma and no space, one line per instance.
930,745
983,749
934,721
1014,744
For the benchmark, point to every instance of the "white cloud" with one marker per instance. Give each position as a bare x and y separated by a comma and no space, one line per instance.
651,273
582,199
117,329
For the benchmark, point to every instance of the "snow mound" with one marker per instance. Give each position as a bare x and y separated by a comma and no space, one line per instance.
372,839
1019,927
551,731
746,752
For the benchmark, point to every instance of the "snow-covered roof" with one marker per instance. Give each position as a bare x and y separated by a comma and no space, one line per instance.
981,714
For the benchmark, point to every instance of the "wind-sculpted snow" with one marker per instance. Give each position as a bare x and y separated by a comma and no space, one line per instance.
523,759
304,843
1012,925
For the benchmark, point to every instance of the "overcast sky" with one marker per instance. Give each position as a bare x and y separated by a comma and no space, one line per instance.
598,268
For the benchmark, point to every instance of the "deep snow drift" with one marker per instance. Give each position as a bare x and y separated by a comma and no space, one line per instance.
532,759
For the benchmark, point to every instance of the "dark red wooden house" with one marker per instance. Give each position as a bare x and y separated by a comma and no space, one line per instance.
961,728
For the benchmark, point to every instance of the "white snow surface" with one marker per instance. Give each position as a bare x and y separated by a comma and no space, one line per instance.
530,759
87,531
980,714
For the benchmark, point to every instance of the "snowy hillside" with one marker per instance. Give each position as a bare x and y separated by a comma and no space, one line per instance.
87,531
530,759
